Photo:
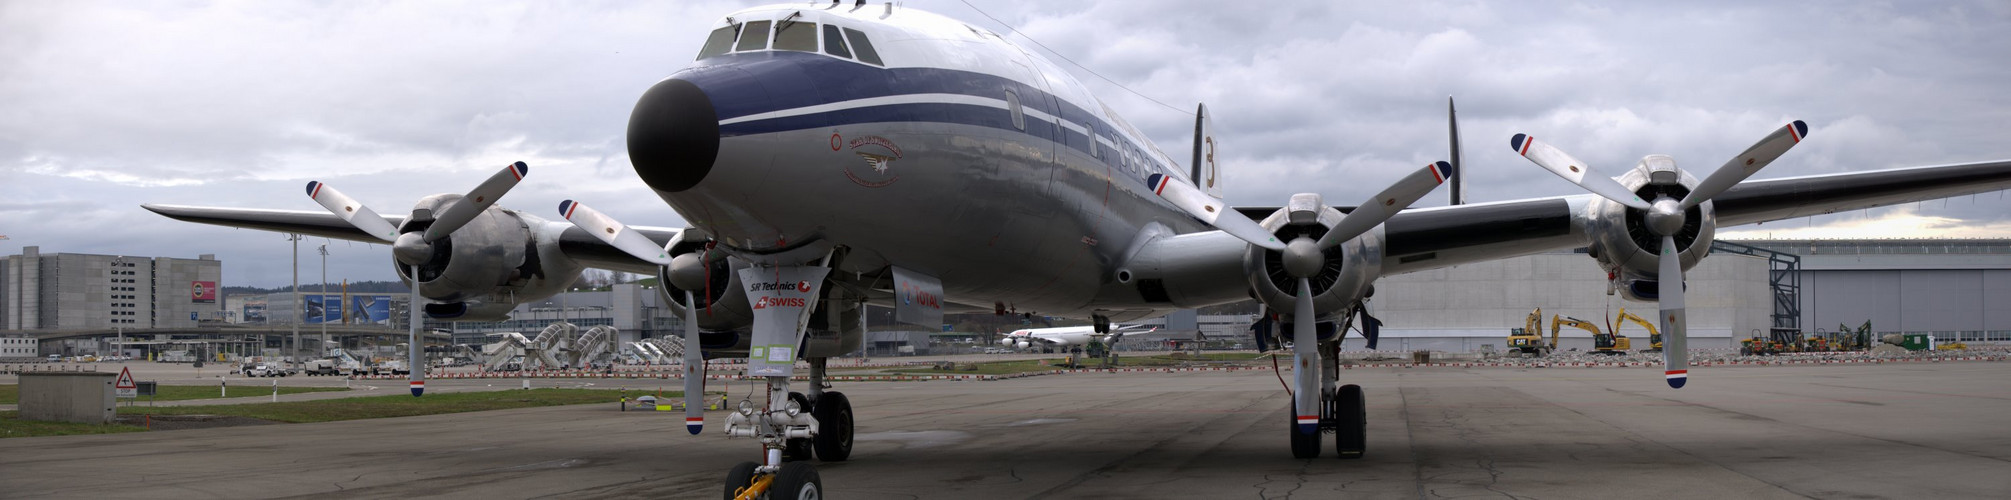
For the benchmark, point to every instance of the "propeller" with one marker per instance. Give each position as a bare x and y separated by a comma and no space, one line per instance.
1304,258
614,233
1665,217
416,247
694,371
618,235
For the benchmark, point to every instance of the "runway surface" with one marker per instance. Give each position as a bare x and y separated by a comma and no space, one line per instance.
1841,431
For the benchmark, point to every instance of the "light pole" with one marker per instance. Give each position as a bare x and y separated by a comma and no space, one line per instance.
324,299
295,238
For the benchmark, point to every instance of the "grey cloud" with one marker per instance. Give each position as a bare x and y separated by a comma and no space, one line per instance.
112,104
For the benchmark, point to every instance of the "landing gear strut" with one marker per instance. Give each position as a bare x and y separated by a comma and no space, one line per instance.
1342,410
787,423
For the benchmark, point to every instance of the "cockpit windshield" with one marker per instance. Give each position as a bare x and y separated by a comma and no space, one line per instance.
791,33
720,41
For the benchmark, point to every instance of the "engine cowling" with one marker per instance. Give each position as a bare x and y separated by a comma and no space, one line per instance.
1347,271
1621,240
482,271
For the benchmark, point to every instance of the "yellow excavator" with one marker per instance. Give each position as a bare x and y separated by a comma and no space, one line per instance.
1654,337
1602,343
1529,339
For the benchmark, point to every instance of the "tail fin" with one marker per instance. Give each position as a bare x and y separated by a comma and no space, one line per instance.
1204,173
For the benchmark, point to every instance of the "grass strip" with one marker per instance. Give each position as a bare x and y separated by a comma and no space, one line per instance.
988,368
11,425
11,394
395,405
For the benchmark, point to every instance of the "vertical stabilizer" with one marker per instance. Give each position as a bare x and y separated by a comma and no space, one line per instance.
1202,170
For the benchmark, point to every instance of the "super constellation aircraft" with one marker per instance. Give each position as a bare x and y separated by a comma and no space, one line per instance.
829,157
1063,336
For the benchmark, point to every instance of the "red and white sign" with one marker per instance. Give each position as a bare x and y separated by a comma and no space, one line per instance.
202,291
124,387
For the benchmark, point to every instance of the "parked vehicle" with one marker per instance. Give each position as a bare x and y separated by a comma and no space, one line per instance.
321,367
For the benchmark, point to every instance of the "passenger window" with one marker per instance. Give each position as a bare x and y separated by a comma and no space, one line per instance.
1018,119
796,35
863,47
720,41
834,43
755,37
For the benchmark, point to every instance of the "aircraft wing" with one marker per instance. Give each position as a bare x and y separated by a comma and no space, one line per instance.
1427,238
573,241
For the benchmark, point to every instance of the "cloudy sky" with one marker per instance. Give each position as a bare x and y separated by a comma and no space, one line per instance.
107,105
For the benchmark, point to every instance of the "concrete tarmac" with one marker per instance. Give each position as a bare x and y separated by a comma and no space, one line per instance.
1929,430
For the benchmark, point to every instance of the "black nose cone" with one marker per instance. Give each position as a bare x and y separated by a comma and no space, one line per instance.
673,136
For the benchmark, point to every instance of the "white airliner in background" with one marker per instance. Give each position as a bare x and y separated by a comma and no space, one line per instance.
1065,337
833,156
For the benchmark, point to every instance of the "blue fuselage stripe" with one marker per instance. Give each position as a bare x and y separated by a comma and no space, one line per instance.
744,84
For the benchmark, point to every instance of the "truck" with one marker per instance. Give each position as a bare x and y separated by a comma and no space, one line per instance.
391,367
320,367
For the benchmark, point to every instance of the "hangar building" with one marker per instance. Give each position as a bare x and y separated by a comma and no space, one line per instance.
1952,289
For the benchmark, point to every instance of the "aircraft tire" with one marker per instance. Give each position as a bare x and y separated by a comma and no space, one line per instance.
797,481
834,427
1303,445
1352,435
740,476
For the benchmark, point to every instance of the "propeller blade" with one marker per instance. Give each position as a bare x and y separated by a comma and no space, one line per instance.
1675,354
694,370
1747,163
415,366
613,232
1305,360
459,213
352,212
1452,131
1212,211
1386,204
1557,162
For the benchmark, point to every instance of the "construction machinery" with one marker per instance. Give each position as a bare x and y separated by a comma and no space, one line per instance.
1602,342
1654,336
1528,340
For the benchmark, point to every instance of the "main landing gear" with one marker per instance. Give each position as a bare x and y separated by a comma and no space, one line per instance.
1343,412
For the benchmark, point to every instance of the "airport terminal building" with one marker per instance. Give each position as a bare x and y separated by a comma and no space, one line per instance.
68,291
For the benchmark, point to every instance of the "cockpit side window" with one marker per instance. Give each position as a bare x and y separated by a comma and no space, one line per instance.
863,47
834,43
796,35
720,41
755,37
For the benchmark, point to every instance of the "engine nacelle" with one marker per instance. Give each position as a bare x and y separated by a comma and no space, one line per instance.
484,269
1345,278
1621,240
1024,344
